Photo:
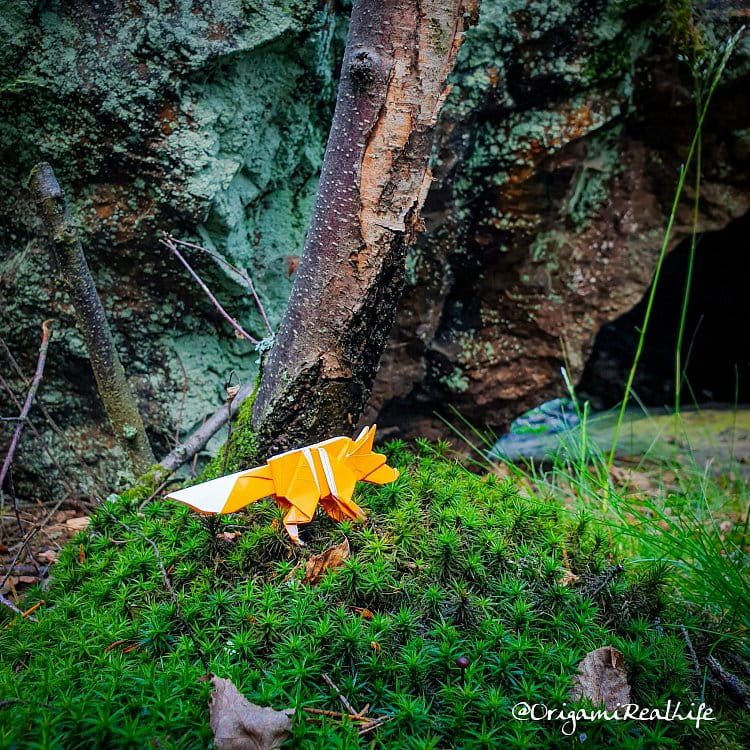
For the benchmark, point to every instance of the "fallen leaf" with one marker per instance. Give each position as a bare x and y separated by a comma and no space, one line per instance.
228,536
238,724
635,481
78,524
602,678
49,556
329,559
568,578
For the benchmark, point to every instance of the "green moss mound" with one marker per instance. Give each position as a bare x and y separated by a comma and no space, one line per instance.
448,565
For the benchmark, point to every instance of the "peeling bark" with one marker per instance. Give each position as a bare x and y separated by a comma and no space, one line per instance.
111,382
374,180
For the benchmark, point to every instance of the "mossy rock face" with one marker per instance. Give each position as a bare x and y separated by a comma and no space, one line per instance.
204,119
448,565
558,156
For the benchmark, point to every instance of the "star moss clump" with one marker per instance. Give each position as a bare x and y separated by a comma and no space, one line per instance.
460,599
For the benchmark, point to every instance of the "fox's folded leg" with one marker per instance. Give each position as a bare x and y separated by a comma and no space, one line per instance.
293,517
341,509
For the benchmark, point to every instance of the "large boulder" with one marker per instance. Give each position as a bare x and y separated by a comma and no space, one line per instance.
560,153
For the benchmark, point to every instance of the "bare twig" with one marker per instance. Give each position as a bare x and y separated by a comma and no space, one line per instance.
693,655
342,697
374,724
197,441
170,244
332,714
27,403
9,604
19,523
43,444
241,272
28,537
112,384
20,373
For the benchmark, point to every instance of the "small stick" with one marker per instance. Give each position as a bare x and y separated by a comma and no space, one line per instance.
33,608
332,714
29,536
27,403
342,698
154,494
693,655
12,606
114,645
168,584
732,684
243,274
224,314
63,474
374,724
197,441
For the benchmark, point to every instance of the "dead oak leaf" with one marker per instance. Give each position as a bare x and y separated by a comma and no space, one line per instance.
602,678
331,558
238,724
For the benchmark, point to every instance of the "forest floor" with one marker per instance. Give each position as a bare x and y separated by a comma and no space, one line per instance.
463,596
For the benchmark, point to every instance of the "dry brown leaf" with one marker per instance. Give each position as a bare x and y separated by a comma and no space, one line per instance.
78,524
229,536
568,578
602,678
329,559
49,556
238,724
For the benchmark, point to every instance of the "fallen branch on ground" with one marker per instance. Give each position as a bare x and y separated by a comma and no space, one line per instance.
197,441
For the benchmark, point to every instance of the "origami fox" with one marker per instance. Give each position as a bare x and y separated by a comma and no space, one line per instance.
298,480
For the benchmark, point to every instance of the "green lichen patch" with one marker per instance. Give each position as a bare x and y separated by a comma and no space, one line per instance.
449,566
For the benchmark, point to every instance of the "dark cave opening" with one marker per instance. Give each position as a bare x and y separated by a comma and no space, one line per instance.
716,346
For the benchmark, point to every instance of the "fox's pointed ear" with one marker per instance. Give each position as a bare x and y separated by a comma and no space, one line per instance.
365,441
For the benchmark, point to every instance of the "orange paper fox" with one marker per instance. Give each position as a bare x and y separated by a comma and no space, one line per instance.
298,480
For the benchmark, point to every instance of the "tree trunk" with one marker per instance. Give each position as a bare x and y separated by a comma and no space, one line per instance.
374,179
118,399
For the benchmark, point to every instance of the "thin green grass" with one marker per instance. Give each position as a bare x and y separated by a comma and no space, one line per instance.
710,71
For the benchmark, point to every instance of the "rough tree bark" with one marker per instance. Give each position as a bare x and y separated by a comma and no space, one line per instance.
111,382
373,183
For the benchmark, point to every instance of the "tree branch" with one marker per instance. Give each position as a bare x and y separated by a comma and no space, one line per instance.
27,403
112,384
197,441
169,243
